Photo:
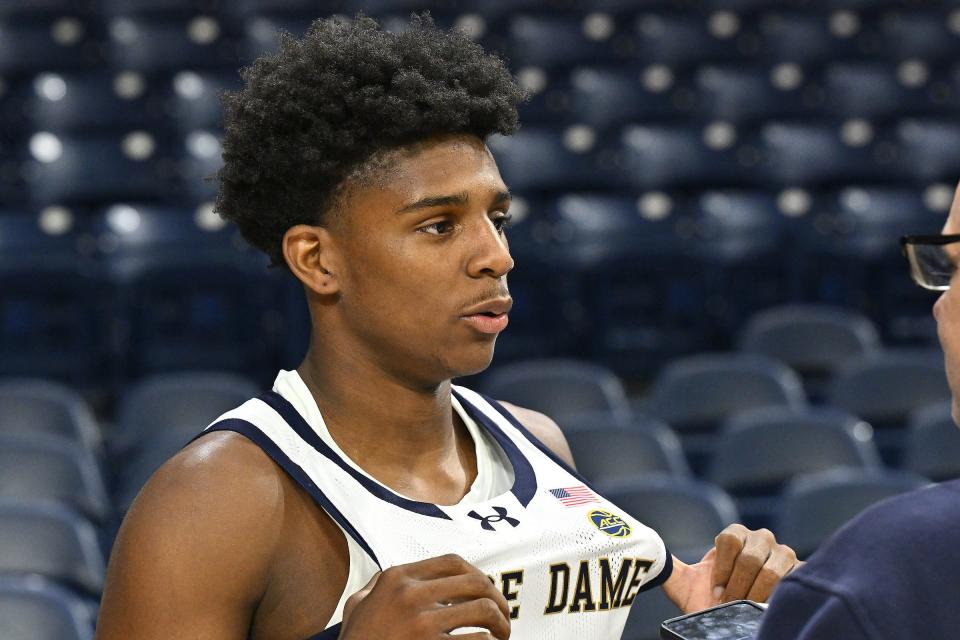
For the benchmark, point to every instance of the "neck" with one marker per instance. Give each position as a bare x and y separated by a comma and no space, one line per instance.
405,436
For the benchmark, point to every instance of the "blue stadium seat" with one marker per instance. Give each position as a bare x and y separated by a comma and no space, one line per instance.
846,256
43,407
917,33
549,98
548,158
634,322
873,90
154,8
534,39
659,156
820,153
129,165
193,101
814,340
688,514
760,450
928,149
88,101
184,400
199,159
933,443
805,37
606,449
884,388
48,44
684,39
137,467
558,387
745,94
155,45
50,540
261,32
38,467
242,9
36,8
33,609
605,97
188,293
816,505
696,393
50,321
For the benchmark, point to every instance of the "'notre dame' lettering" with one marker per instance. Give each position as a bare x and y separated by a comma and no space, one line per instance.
559,573
640,567
508,580
582,596
611,590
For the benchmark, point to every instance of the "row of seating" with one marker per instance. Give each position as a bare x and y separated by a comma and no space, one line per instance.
154,42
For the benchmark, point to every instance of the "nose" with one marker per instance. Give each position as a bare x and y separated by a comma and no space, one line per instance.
491,256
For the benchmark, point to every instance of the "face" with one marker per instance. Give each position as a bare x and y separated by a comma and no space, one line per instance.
422,261
947,312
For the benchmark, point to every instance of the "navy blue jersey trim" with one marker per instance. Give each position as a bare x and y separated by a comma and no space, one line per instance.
258,437
547,451
664,574
292,417
330,633
524,477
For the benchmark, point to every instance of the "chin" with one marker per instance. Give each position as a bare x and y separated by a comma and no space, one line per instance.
475,360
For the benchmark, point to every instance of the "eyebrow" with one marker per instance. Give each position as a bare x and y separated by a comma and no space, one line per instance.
456,199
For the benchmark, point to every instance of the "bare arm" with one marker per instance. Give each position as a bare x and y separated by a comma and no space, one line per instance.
194,553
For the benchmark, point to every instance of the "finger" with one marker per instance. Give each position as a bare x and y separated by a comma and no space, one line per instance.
782,561
751,560
483,613
466,587
438,567
728,544
358,597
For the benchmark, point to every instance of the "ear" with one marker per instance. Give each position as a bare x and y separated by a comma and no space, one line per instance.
311,256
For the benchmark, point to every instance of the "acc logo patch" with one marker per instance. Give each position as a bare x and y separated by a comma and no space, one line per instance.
610,523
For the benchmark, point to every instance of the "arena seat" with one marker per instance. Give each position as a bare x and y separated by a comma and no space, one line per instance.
928,149
874,90
174,400
814,340
91,101
760,450
262,32
39,467
816,505
918,33
683,39
804,37
41,407
605,449
32,609
36,8
187,292
694,394
932,448
54,43
193,98
50,322
199,158
550,158
129,165
50,540
534,38
155,45
744,94
610,96
558,387
136,468
884,387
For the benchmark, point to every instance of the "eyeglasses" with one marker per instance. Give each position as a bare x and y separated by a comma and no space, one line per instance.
932,265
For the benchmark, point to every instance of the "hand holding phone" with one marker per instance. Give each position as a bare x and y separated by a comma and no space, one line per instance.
737,620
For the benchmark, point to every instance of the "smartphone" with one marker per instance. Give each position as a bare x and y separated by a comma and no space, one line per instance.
737,620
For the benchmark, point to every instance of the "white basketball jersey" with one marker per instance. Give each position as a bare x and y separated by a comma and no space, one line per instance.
568,561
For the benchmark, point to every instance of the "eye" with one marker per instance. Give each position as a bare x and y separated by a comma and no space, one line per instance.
503,222
437,228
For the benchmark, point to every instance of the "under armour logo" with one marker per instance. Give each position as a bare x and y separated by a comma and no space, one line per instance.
487,521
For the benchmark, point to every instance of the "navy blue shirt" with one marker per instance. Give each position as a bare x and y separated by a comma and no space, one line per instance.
892,572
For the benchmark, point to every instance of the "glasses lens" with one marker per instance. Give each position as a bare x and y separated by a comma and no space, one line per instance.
931,265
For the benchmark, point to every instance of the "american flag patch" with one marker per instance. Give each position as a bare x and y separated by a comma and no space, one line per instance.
572,496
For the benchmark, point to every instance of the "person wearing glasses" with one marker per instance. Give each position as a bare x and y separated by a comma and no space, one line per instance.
893,571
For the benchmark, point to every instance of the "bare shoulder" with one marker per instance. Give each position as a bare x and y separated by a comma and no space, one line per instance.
544,428
195,550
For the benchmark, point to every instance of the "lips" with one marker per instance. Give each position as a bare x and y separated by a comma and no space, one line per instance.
492,307
489,317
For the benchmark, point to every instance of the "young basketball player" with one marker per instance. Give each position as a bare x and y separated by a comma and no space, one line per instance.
365,497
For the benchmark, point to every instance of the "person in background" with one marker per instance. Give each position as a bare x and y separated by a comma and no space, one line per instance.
893,571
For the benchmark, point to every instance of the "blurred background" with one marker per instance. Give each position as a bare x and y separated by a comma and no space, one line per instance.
710,296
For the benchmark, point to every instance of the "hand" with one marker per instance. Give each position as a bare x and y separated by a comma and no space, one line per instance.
426,600
742,564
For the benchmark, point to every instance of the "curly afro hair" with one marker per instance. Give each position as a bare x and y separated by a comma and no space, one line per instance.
331,103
